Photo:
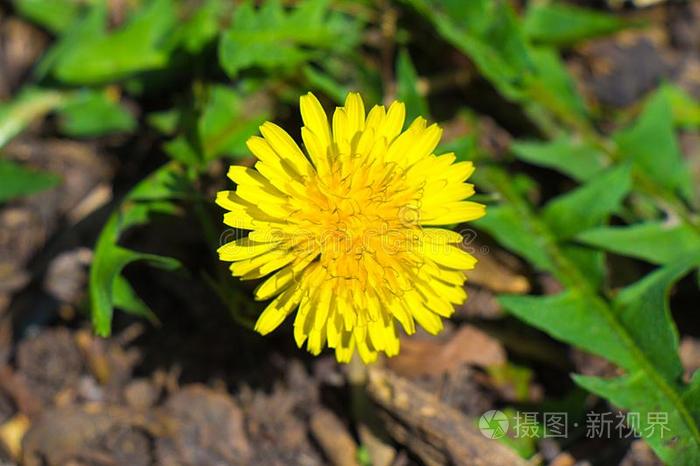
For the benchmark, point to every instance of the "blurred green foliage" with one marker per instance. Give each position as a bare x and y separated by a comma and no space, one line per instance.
91,113
274,39
19,181
223,67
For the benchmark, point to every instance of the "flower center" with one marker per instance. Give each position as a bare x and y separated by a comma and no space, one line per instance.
363,220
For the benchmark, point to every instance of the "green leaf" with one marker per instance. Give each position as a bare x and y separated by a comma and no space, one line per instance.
685,109
201,26
655,242
554,86
183,150
635,332
572,317
94,113
691,397
589,205
575,158
272,38
150,197
17,181
54,15
407,88
651,145
165,122
643,309
226,123
86,26
560,24
488,32
465,147
29,105
641,396
590,261
102,57
124,297
504,224
327,84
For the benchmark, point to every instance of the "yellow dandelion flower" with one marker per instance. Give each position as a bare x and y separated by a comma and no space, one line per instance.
349,233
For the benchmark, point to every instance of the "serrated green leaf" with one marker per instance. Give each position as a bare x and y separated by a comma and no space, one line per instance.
635,332
572,317
182,150
87,25
125,298
656,242
102,57
272,38
561,24
504,224
222,129
590,261
672,440
94,113
489,33
407,89
150,197
574,158
620,331
589,205
554,86
103,274
200,27
17,181
651,145
643,309
227,122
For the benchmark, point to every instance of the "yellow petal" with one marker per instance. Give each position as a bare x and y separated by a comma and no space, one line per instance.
278,310
318,150
240,219
226,200
450,256
243,267
285,276
455,212
263,151
367,354
345,347
441,236
285,147
273,285
375,117
243,249
355,111
315,118
392,124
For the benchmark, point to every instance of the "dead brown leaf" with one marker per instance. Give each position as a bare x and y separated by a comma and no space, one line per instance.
468,345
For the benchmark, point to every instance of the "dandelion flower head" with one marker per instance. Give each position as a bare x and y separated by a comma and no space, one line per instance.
351,234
